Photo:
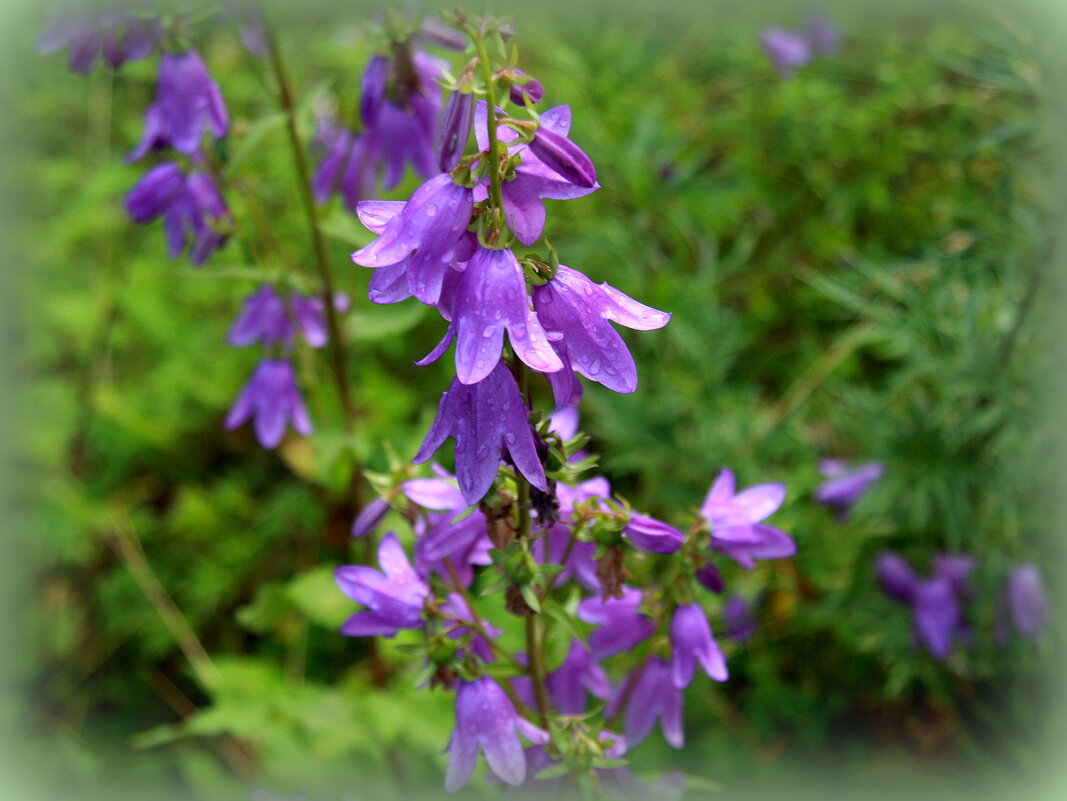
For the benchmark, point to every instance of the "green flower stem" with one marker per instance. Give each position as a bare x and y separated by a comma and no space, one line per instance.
338,362
496,194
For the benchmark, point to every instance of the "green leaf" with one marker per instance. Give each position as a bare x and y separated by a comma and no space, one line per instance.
258,131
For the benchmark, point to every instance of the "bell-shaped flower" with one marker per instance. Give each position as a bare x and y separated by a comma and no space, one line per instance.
369,517
581,560
649,695
534,180
529,92
736,521
424,236
653,535
563,157
691,643
191,207
187,102
582,311
487,720
272,400
568,684
393,596
345,165
622,626
1026,602
454,130
456,607
845,485
896,576
486,420
739,619
114,36
491,298
269,319
786,50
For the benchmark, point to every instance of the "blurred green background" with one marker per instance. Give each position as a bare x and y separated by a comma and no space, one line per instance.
858,260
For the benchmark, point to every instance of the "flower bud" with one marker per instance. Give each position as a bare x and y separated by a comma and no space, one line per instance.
532,90
375,79
454,130
563,156
369,517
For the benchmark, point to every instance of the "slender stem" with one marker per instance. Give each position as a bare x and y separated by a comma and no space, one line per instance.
475,622
338,361
535,654
496,192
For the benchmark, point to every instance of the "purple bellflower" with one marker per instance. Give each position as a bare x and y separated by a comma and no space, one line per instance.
845,485
486,719
1026,602
534,179
568,684
653,695
786,50
583,312
822,35
454,130
423,236
739,619
190,205
394,597
622,626
369,517
736,521
187,101
523,93
269,319
272,399
486,420
345,165
937,616
692,642
653,535
116,37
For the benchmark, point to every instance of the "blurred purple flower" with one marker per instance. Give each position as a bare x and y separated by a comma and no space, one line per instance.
531,90
189,205
692,642
1026,602
787,50
115,36
822,35
622,626
845,485
369,517
269,319
735,520
486,420
456,606
650,694
486,719
534,180
187,102
582,312
653,535
739,619
345,165
272,399
567,685
394,596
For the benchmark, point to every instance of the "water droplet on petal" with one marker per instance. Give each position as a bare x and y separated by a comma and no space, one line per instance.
430,210
594,367
488,331
510,438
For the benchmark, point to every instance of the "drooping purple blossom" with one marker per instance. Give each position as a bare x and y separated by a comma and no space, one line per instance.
937,615
653,535
345,165
651,695
822,35
269,319
582,312
456,607
191,207
454,130
1025,601
845,485
568,684
530,91
534,180
739,619
486,420
271,399
393,596
114,36
581,562
622,625
491,298
736,521
423,237
188,101
786,49
487,720
691,643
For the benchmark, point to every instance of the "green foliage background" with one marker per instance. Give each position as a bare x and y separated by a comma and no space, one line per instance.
857,261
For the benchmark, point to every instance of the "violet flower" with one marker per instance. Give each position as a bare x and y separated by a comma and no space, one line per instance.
622,626
822,35
534,180
191,207
486,719
454,130
786,50
736,521
652,695
269,319
486,420
423,236
845,485
116,37
523,93
394,596
345,166
692,642
187,102
369,517
272,399
567,685
936,613
739,619
583,312
1026,602
653,535
580,564
491,298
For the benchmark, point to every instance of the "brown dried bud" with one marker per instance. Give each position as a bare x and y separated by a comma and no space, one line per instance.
444,676
515,603
611,573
